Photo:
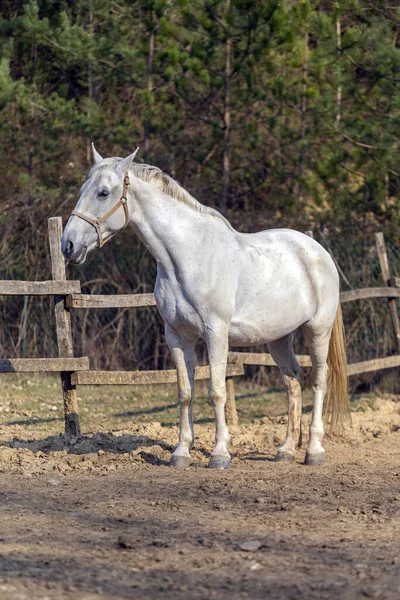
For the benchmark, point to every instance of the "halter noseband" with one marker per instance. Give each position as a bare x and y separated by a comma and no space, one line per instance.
123,201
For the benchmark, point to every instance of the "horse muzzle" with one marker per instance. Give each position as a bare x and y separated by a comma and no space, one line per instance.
74,253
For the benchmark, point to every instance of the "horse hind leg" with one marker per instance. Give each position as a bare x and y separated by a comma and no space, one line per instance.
318,346
282,352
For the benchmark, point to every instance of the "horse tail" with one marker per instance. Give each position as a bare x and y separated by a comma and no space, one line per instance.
337,405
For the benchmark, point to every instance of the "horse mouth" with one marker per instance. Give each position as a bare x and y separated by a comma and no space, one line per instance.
80,259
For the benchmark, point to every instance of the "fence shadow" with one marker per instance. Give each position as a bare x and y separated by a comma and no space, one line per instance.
146,411
99,443
33,421
160,409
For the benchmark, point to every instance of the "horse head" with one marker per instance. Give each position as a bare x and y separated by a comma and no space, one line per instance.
102,208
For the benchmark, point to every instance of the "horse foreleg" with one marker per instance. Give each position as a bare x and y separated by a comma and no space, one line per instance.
217,346
183,353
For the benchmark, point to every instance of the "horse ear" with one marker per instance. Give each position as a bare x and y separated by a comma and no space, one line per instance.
96,156
125,163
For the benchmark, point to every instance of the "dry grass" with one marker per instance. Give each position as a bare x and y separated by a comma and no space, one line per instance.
34,405
31,406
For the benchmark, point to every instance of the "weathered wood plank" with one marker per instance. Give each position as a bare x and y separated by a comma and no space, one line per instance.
34,365
110,301
376,364
38,288
382,255
231,412
260,358
143,377
254,358
63,328
364,293
394,282
384,262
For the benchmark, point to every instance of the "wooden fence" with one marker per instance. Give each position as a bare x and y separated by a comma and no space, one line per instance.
75,371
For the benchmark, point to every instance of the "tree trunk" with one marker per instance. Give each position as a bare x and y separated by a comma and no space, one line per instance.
150,61
227,122
303,109
339,87
89,82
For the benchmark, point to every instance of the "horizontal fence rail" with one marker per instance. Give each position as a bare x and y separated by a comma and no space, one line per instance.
32,365
144,377
367,366
39,288
110,301
366,293
262,359
376,364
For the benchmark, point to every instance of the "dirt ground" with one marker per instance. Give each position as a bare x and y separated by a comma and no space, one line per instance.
104,517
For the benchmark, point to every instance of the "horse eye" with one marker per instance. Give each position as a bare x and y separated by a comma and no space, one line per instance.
103,193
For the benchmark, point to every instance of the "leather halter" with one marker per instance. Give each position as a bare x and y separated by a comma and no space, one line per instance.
96,223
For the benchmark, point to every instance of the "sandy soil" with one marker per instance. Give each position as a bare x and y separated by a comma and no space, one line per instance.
103,517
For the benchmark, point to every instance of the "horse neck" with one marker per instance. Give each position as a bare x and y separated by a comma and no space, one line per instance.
164,224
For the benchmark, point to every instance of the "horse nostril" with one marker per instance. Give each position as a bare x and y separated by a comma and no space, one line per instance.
70,248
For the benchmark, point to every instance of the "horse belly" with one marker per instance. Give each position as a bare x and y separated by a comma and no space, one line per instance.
268,310
261,327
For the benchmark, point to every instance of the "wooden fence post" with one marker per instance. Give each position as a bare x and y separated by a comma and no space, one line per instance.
383,260
63,329
231,412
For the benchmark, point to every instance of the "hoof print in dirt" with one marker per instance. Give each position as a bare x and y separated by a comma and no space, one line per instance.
126,543
180,462
152,459
314,459
219,462
284,457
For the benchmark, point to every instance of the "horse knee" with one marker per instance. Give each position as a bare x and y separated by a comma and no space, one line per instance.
217,395
185,397
184,393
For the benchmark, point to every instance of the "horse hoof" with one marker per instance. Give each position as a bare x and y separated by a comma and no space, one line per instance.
219,462
314,459
284,457
181,462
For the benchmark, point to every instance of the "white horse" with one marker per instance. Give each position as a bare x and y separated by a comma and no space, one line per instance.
226,287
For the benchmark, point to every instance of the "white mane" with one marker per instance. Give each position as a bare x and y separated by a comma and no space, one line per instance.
165,184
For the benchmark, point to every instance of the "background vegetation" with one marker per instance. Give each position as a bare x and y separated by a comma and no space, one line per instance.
279,113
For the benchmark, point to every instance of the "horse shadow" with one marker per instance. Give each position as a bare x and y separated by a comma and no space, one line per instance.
160,409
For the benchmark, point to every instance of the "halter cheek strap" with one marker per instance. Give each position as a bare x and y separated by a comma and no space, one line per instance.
96,223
